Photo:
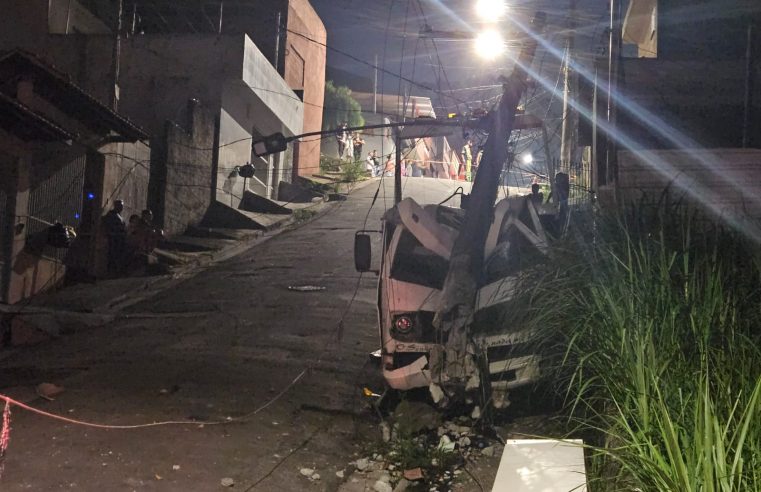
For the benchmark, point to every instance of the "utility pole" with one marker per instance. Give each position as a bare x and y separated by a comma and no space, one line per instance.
568,133
375,85
466,261
614,60
748,100
116,55
221,15
278,35
398,167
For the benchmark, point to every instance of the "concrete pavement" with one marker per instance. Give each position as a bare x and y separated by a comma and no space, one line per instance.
220,344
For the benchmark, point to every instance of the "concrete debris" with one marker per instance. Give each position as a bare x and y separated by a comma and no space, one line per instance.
402,485
307,472
412,417
175,467
340,473
381,486
413,474
362,464
488,451
315,476
306,288
227,482
436,393
446,444
464,442
48,391
476,413
385,431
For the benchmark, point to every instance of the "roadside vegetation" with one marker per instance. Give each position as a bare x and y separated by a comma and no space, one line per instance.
650,322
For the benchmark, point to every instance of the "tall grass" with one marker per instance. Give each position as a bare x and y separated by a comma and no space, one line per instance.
651,325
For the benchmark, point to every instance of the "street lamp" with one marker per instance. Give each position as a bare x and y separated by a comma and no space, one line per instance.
489,44
528,158
490,9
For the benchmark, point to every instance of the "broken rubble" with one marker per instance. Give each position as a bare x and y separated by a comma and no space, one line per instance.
412,417
362,464
402,485
488,451
227,482
385,432
307,472
413,474
380,486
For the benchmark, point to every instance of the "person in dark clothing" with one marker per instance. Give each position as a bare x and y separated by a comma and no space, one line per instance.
536,196
358,144
116,232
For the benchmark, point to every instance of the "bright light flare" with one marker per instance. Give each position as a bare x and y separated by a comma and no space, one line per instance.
527,158
489,45
491,9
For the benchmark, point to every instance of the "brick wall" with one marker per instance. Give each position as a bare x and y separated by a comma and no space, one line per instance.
725,183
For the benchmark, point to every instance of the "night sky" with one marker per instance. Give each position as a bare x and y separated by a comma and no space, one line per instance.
389,29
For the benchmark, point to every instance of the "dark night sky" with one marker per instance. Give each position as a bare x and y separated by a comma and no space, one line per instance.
359,27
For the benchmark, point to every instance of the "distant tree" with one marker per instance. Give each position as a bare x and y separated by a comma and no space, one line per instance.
339,106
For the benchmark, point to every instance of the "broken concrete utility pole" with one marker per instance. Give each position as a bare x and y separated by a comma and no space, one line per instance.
458,297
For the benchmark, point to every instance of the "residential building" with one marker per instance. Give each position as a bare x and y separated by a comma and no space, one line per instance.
64,158
688,106
169,55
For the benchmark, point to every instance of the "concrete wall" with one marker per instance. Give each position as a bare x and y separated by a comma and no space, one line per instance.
701,100
690,30
69,16
182,170
300,61
120,171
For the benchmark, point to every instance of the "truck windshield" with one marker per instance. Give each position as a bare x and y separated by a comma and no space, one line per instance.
415,264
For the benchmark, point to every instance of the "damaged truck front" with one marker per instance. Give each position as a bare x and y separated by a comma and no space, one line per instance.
417,242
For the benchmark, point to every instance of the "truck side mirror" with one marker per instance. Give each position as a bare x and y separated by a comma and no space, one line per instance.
363,252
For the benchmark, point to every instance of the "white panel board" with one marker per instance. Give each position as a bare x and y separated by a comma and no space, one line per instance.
541,465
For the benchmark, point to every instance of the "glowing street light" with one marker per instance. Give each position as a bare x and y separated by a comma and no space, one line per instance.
527,158
490,9
489,44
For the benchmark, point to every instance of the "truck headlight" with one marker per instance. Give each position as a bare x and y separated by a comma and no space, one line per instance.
403,325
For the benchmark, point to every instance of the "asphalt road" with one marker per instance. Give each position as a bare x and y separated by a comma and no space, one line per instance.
227,343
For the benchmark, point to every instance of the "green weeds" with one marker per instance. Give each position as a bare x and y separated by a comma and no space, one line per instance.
651,327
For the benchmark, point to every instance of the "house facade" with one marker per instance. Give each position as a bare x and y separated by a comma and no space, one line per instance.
64,159
687,107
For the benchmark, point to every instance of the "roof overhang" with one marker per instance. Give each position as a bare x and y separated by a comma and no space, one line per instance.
56,87
16,119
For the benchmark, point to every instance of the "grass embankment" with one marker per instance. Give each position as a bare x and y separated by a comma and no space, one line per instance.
651,327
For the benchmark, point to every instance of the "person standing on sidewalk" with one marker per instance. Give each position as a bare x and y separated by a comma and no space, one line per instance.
116,233
467,158
341,137
371,163
358,144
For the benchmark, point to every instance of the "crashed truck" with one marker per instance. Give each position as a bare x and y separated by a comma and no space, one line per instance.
417,241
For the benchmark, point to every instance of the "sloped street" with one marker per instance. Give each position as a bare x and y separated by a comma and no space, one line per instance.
227,343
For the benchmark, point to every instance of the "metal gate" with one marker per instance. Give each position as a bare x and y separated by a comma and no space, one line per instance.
55,196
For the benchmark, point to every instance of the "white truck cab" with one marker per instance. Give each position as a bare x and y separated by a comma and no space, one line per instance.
417,243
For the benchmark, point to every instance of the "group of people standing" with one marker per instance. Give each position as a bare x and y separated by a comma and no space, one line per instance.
375,169
350,144
129,243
